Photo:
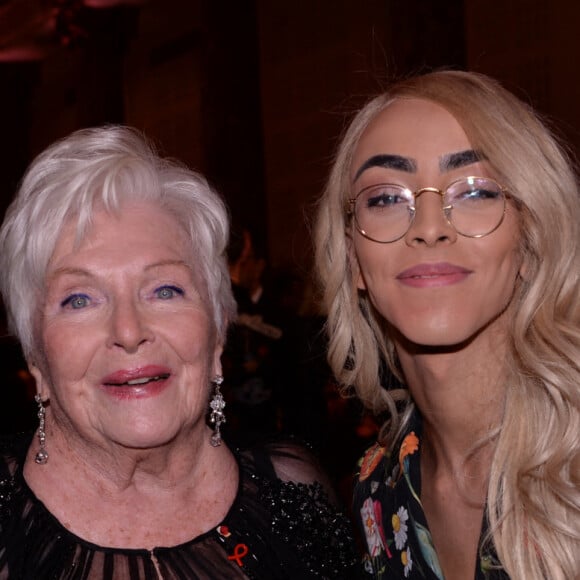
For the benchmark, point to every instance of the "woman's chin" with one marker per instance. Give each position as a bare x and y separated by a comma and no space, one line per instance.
440,339
143,440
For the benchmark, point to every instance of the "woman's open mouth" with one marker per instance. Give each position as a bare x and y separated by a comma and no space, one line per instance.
137,383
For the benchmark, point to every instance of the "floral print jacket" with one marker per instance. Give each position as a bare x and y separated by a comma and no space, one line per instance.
387,506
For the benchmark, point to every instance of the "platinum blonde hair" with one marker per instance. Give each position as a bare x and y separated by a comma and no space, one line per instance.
105,167
533,501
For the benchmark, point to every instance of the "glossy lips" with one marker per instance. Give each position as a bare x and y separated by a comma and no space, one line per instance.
137,383
433,275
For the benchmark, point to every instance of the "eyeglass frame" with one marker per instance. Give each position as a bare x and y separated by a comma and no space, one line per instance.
444,209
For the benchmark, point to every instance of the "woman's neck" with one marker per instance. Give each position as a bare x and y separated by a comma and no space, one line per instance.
119,467
168,486
459,391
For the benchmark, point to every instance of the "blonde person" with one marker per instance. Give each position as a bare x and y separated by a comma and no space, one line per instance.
447,243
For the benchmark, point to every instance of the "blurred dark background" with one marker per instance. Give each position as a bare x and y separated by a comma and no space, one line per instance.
254,94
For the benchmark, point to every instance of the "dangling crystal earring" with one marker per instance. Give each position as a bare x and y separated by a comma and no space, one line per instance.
217,416
42,456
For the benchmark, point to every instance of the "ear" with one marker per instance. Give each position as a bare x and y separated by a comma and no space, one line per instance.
217,360
524,267
42,385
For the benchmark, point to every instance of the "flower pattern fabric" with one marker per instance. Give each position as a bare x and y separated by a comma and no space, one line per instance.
399,521
387,505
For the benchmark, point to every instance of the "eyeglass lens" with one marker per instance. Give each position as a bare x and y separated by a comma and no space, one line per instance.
474,206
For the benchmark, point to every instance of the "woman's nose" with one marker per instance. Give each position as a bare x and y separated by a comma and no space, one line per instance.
430,224
129,327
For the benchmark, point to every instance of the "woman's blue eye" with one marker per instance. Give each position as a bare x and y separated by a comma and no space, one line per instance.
76,301
168,292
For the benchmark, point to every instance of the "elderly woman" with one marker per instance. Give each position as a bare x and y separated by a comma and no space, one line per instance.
447,240
116,283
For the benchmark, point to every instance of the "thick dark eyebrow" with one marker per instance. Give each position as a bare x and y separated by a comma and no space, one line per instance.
388,162
460,159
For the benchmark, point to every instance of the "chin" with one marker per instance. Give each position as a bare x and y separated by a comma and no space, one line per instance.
428,344
440,338
145,439
426,332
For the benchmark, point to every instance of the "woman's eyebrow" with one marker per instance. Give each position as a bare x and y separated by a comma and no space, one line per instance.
460,159
67,271
397,162
170,262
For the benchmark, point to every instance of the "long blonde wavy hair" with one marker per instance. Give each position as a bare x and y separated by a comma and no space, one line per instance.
533,500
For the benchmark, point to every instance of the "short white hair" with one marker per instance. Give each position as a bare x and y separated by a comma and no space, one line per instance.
104,167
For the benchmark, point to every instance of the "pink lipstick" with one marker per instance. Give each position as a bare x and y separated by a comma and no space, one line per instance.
433,275
139,382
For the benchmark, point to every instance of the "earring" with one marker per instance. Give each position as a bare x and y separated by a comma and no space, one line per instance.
42,456
217,416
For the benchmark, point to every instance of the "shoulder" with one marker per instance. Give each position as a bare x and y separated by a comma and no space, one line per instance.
303,517
373,460
290,461
386,462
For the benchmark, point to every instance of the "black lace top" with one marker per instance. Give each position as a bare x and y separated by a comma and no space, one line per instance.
275,529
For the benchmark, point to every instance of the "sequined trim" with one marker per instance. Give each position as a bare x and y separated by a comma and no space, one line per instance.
327,551
7,489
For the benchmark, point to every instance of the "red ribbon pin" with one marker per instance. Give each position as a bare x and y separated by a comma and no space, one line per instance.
240,551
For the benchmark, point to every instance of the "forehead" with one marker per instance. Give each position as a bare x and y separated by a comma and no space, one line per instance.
136,228
414,128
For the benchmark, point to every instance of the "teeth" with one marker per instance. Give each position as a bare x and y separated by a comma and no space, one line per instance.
142,381
145,380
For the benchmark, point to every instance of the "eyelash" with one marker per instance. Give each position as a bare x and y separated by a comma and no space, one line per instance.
68,302
174,289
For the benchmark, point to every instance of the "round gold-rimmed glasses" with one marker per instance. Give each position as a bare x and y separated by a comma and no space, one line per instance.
473,206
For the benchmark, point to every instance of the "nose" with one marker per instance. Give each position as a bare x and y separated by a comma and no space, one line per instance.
128,327
430,226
